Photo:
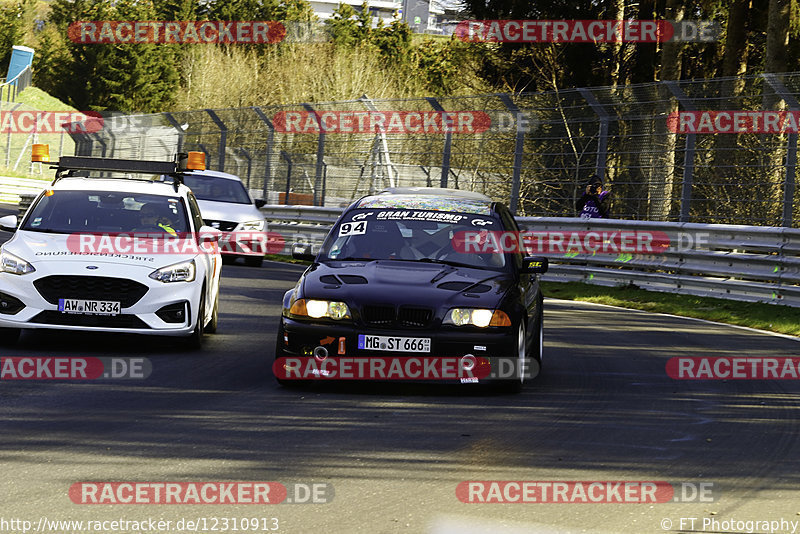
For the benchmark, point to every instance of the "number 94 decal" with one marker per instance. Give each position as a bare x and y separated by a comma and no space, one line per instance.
350,228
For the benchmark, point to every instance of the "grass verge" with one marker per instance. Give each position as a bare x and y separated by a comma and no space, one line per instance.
772,317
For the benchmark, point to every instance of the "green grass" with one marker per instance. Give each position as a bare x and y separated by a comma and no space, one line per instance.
38,99
772,317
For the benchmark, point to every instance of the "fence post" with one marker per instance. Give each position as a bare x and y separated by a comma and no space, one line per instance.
249,158
519,146
177,127
791,149
602,141
268,155
320,155
688,153
448,142
223,137
285,155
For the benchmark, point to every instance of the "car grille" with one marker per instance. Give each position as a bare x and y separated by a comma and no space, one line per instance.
407,316
55,287
105,321
225,226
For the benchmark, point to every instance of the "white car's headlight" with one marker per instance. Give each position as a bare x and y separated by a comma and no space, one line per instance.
251,226
177,272
14,264
477,317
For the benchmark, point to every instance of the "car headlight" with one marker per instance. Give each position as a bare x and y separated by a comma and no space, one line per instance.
330,309
14,264
477,317
251,226
177,272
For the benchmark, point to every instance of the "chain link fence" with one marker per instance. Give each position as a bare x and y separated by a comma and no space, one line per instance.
533,151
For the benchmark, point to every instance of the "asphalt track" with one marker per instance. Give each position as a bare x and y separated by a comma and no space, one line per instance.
603,409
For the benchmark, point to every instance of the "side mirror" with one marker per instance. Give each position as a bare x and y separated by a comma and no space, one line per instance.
9,223
534,265
260,203
302,251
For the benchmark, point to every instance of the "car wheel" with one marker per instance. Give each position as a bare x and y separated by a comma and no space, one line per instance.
253,261
514,385
195,340
211,327
9,336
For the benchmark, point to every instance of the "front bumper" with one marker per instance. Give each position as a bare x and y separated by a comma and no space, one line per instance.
138,318
300,339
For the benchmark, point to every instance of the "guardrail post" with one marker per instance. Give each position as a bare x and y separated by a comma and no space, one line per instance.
223,137
519,146
688,153
320,155
791,149
448,142
285,155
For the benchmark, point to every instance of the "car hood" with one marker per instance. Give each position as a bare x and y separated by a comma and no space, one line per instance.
227,211
406,282
39,247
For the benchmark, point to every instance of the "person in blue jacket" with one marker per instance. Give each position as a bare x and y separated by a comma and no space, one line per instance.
594,202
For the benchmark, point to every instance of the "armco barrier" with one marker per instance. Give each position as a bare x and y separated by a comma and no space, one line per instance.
746,263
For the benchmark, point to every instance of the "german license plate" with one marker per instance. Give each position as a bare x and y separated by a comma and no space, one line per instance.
396,344
88,307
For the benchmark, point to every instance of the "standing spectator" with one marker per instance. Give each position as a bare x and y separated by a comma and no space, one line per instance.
594,202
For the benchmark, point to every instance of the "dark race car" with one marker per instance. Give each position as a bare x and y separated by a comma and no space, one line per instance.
394,293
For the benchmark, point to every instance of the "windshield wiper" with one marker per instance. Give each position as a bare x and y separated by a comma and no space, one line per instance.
447,262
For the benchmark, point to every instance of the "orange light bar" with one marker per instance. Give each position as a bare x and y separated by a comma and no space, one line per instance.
196,161
499,318
40,153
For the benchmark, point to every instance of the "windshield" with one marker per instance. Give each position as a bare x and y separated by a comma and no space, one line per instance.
107,211
217,189
411,235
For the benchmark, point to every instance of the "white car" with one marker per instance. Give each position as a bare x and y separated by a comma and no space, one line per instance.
227,206
111,255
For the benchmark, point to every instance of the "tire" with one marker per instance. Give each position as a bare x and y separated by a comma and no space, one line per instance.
514,385
9,336
211,327
253,261
195,339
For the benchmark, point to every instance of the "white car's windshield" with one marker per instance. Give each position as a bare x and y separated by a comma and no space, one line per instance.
217,189
107,211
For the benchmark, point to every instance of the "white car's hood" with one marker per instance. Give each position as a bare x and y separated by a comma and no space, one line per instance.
39,247
227,211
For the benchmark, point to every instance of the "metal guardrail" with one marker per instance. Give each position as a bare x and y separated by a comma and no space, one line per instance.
745,263
11,88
